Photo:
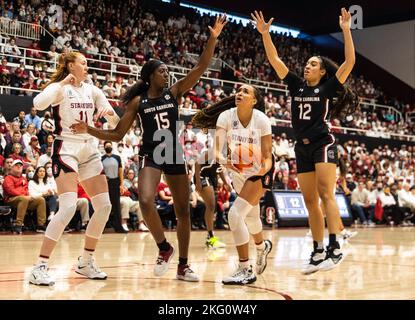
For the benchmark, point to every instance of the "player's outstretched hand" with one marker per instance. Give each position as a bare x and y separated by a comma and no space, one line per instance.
345,19
218,26
259,22
79,127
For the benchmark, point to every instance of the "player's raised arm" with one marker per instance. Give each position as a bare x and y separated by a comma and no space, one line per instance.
349,52
272,54
186,83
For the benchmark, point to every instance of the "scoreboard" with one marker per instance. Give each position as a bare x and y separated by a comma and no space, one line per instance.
291,210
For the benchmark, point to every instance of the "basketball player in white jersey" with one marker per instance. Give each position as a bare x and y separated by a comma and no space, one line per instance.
243,126
75,158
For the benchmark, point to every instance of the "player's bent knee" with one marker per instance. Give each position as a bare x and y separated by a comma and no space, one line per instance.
67,208
102,209
253,221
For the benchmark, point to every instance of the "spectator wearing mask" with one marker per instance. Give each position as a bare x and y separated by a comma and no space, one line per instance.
16,194
38,188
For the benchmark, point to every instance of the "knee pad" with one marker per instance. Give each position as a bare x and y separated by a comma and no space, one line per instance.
67,208
253,220
102,209
236,219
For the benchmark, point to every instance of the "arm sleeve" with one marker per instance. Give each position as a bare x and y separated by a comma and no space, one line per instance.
223,121
293,81
330,88
118,158
48,96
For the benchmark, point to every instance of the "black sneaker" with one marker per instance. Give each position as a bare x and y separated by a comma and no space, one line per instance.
41,229
317,258
17,229
334,257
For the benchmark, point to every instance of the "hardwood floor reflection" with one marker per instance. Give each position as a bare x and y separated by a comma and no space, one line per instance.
379,265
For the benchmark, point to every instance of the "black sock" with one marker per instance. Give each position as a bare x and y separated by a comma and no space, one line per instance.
163,246
333,241
210,234
182,261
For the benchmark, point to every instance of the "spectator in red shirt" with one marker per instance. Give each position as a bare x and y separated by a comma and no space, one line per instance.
165,203
16,194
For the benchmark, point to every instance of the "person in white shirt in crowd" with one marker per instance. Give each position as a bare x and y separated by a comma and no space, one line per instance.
30,132
45,158
372,198
278,148
38,187
407,202
129,202
360,201
282,165
12,49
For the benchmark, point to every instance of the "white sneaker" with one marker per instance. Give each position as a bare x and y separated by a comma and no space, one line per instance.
186,274
334,257
162,262
39,276
89,269
316,259
243,275
125,227
142,227
261,257
347,234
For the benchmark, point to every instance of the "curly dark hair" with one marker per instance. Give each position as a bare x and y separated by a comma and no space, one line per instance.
207,117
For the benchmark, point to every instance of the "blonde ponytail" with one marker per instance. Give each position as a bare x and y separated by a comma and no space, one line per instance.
62,69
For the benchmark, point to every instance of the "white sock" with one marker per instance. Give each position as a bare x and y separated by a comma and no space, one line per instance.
244,264
260,246
87,255
42,260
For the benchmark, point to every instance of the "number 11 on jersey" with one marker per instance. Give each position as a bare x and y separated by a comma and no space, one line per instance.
81,116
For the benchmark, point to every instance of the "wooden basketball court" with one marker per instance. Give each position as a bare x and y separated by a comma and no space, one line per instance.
380,264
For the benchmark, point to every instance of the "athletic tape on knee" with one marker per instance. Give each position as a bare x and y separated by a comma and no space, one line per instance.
236,219
67,208
102,209
253,220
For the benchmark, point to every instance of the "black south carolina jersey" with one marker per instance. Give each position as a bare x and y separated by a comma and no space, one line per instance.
209,170
155,114
310,106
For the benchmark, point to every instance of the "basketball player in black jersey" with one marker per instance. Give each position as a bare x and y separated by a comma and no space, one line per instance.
315,150
157,107
205,179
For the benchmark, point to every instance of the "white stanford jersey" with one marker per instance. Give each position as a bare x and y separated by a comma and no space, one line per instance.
70,103
237,134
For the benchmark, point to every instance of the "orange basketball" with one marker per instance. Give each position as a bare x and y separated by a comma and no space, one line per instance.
246,157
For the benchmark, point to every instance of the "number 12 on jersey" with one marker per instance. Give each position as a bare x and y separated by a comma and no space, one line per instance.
162,120
305,111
